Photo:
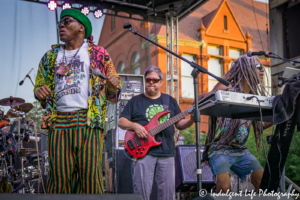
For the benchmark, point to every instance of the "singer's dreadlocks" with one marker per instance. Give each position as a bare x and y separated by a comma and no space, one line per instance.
242,68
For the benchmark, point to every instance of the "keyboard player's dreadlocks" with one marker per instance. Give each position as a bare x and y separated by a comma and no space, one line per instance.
242,68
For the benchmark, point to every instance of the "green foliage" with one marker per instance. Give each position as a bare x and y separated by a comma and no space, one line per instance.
36,114
189,136
292,164
251,145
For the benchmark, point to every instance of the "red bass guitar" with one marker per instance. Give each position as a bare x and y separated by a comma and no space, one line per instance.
139,147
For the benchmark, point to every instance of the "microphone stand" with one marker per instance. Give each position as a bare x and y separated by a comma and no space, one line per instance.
30,79
272,55
116,144
195,72
282,80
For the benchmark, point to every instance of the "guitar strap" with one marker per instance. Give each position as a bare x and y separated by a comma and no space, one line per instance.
165,101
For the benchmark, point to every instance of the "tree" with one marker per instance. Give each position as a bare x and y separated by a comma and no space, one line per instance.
36,114
292,164
189,136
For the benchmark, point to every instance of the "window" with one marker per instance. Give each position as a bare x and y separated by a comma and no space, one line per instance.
225,23
268,80
215,66
235,53
135,65
113,22
187,89
215,50
121,67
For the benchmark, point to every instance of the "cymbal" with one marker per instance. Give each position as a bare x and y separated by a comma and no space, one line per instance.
11,101
27,151
25,107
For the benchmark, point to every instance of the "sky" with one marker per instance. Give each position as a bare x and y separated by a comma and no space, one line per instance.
27,31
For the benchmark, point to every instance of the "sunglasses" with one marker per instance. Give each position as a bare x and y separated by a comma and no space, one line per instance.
259,66
65,22
154,80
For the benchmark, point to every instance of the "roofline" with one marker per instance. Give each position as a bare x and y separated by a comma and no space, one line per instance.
214,17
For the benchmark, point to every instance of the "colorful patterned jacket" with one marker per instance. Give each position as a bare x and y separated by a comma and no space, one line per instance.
98,92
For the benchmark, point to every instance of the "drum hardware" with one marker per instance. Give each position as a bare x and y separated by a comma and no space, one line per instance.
11,101
25,107
4,122
20,150
11,147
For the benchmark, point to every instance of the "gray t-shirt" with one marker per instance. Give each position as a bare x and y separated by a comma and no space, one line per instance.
72,90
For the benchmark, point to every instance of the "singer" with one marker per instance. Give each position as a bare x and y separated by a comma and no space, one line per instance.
75,103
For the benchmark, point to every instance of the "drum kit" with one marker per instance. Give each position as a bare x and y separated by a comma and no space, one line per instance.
20,168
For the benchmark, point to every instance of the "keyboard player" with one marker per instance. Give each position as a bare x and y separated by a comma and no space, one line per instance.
226,138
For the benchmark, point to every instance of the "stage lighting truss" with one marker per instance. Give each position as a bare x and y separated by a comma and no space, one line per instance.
98,13
52,5
66,5
85,10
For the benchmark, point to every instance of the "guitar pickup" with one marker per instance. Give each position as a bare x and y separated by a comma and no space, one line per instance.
146,139
137,141
131,144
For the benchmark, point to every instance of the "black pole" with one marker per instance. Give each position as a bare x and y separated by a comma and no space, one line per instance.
197,119
56,26
284,59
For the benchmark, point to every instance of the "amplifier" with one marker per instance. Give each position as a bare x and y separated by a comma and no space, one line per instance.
132,85
186,170
111,120
124,175
112,115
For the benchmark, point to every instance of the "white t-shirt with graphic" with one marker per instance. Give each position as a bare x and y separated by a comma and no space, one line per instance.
72,90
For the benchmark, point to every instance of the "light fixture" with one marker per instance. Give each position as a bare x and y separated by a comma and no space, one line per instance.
85,10
52,5
66,5
98,13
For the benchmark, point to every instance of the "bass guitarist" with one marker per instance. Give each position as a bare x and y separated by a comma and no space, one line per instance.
159,163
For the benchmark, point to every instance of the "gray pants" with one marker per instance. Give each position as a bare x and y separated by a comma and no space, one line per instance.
163,171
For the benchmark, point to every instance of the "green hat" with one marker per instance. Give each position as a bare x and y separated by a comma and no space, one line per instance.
76,14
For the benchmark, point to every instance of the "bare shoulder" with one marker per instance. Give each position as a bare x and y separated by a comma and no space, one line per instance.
220,86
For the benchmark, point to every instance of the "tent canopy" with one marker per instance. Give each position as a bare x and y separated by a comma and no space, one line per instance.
144,10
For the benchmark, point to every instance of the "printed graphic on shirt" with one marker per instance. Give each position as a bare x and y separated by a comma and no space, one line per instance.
68,85
152,110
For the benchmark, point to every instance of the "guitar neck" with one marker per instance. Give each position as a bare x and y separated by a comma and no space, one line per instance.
168,123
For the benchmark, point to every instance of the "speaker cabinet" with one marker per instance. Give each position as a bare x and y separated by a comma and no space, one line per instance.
124,175
186,170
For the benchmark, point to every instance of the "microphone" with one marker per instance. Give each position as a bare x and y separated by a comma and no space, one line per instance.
127,26
97,72
21,82
118,88
258,53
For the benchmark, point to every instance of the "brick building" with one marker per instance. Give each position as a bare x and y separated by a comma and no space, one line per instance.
212,36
